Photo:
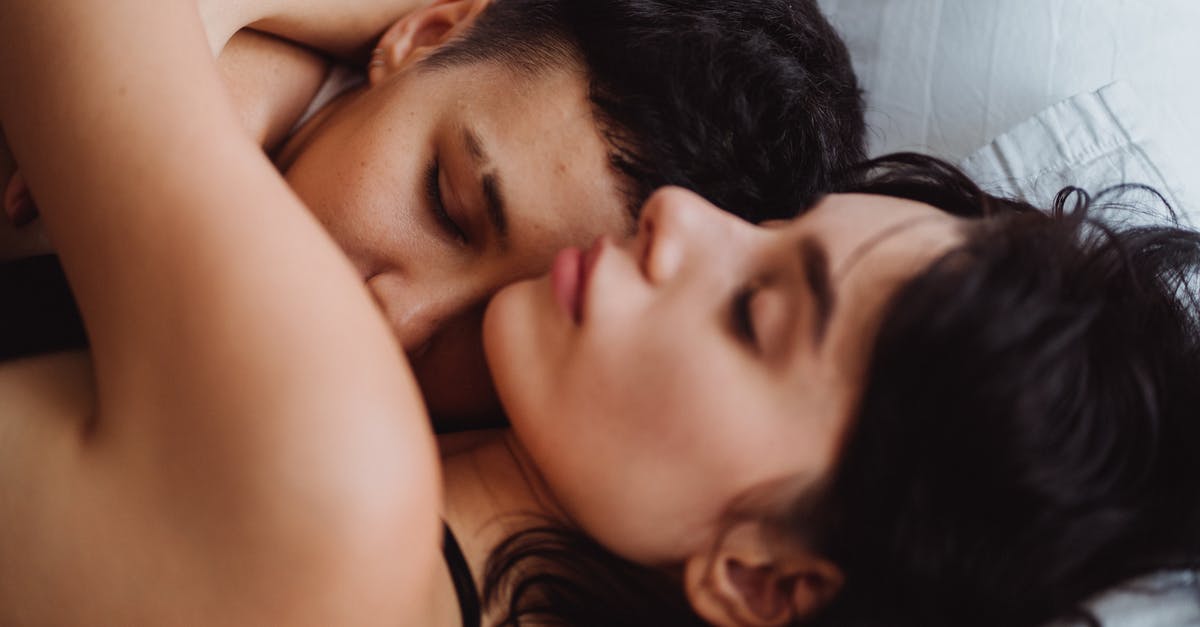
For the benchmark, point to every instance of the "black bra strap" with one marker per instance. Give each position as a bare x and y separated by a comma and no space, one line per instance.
464,584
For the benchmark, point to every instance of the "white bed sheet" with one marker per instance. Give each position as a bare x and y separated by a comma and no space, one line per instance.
1091,141
948,76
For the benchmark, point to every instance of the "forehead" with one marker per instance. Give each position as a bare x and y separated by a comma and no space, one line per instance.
873,245
864,228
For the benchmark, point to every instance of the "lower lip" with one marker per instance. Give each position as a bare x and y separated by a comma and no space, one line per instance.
565,278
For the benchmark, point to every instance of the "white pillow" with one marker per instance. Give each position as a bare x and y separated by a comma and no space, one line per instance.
1092,141
1168,599
947,76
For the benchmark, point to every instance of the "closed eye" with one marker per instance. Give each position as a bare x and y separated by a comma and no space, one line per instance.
433,193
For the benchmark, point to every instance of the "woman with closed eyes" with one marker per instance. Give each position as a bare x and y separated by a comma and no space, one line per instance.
915,404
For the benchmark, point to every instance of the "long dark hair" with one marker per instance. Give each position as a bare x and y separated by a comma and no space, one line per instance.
1029,433
550,575
1027,436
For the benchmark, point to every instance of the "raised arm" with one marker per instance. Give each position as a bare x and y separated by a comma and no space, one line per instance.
343,28
272,55
258,452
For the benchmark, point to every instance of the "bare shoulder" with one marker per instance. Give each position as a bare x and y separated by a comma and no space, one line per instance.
89,532
249,446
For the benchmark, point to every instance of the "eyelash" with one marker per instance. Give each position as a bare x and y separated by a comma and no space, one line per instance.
433,193
743,322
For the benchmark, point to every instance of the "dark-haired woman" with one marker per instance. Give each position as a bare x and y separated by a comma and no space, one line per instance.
940,410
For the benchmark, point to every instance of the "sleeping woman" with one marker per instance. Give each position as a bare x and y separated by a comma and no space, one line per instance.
913,405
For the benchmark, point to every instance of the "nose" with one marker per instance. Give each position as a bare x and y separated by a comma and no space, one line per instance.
415,324
679,227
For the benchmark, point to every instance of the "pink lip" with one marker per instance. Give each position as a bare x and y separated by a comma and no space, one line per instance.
565,279
570,274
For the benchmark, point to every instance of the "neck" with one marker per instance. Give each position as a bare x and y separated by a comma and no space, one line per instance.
492,491
291,148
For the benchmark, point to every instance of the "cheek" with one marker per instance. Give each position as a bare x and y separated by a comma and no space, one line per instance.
350,174
325,187
521,348
373,215
645,434
669,439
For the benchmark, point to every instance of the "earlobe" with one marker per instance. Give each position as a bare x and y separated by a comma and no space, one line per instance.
747,582
417,34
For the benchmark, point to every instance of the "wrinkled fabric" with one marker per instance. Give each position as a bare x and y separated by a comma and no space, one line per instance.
1093,141
948,76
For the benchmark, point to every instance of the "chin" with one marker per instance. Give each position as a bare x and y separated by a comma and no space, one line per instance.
508,325
519,343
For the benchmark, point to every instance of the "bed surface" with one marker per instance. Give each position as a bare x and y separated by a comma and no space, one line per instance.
948,76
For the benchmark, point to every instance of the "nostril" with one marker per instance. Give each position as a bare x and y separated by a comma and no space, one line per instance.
676,222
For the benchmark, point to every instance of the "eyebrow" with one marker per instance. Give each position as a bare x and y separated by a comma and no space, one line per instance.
814,259
493,196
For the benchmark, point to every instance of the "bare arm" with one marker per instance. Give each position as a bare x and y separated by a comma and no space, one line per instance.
270,55
271,82
258,445
343,28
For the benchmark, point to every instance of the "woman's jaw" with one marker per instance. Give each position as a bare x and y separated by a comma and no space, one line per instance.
653,382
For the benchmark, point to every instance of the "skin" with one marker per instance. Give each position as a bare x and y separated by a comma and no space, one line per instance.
265,503
308,491
661,303
362,170
694,412
361,167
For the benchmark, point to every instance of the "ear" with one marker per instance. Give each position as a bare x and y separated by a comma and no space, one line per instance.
749,582
417,34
